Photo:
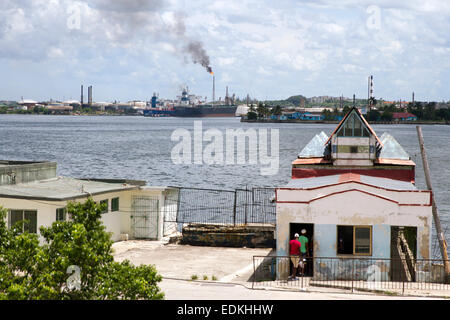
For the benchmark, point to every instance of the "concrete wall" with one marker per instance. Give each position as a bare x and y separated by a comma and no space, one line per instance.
229,236
355,208
403,197
13,172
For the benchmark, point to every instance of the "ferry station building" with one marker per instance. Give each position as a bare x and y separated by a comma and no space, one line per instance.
354,194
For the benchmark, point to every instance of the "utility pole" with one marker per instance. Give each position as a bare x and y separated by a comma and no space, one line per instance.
437,222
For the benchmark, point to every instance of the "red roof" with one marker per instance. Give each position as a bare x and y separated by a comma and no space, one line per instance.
400,115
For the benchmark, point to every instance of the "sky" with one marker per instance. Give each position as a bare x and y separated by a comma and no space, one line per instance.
129,49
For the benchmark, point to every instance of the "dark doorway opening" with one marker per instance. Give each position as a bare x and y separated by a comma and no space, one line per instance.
403,253
345,239
309,228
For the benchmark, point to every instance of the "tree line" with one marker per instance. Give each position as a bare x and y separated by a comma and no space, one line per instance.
426,111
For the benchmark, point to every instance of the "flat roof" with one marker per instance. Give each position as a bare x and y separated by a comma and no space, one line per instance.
60,189
316,182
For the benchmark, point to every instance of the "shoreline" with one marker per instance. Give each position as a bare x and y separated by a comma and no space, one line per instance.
336,122
419,122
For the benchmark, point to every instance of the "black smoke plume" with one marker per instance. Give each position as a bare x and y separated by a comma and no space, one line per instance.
199,55
135,15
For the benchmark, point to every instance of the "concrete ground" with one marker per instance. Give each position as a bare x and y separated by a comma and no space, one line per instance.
224,274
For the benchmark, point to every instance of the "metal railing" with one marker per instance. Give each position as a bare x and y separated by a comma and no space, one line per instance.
225,207
352,274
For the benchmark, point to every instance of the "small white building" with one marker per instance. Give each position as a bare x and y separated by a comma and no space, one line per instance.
354,194
32,191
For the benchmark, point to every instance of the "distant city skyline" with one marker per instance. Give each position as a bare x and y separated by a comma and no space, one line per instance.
129,49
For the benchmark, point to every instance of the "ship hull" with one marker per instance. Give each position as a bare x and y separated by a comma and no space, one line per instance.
158,113
205,111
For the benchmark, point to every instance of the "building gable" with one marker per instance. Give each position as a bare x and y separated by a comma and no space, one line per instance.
354,142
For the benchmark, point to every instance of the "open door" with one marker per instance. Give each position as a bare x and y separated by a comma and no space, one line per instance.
309,228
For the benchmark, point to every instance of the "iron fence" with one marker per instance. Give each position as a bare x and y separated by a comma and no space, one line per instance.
352,274
225,207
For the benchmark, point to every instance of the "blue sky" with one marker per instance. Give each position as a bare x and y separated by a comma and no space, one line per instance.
128,49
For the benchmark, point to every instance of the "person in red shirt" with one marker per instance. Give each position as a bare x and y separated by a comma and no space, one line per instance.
294,252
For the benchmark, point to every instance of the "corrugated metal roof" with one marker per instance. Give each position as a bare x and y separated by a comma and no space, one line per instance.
61,188
316,182
388,183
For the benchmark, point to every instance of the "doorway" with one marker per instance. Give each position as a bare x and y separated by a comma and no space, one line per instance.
403,253
309,228
145,217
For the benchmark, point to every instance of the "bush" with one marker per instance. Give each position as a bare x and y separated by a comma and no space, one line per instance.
75,262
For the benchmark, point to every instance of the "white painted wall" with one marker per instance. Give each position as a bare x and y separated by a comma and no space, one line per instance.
353,208
117,222
403,197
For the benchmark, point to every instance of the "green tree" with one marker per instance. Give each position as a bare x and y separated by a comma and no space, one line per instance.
328,115
387,116
345,110
277,111
262,110
374,115
33,271
430,111
251,114
416,108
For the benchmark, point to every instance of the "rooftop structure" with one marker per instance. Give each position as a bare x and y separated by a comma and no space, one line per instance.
353,194
354,147
61,189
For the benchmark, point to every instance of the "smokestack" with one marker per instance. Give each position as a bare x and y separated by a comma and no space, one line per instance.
214,89
370,91
413,98
227,99
90,95
82,101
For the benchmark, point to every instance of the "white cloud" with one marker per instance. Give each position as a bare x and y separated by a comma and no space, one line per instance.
311,40
226,61
54,53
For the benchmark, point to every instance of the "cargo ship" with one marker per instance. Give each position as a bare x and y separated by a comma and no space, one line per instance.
190,106
205,110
